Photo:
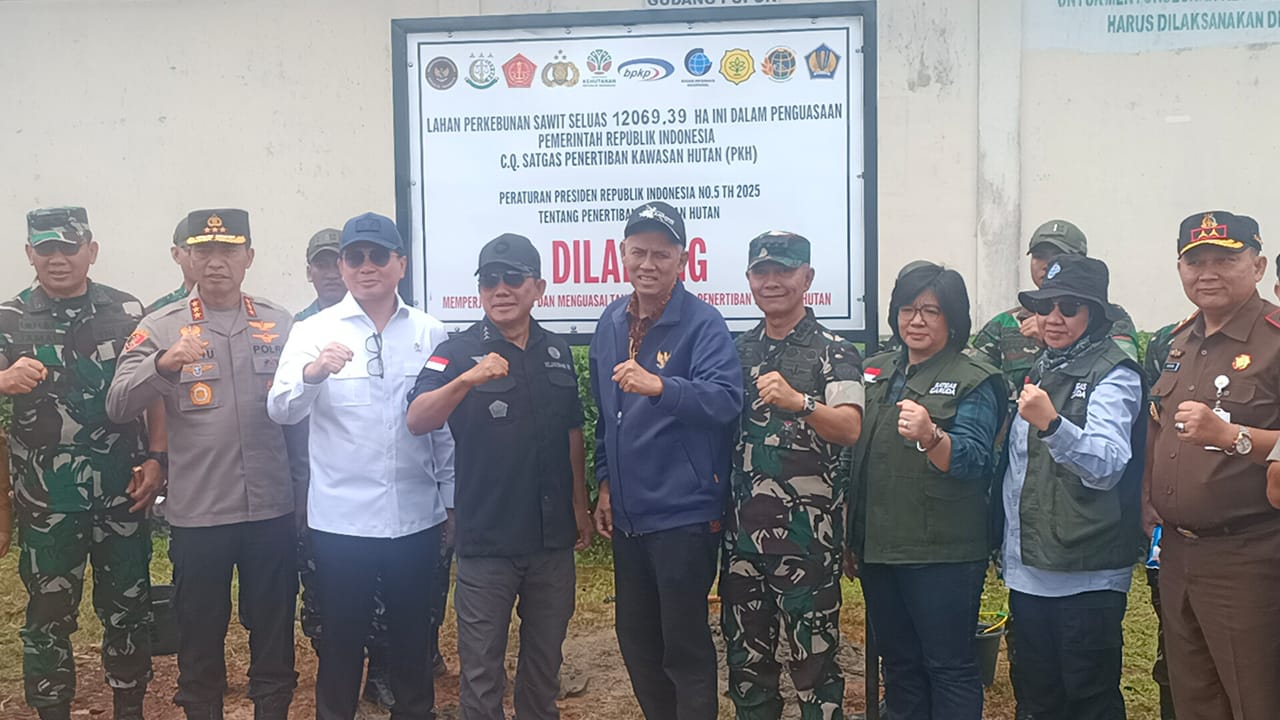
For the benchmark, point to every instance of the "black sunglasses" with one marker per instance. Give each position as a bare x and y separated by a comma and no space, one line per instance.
1068,308
373,344
510,278
355,257
49,248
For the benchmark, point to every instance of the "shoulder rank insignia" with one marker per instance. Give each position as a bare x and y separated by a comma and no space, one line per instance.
197,309
1274,318
249,308
1185,322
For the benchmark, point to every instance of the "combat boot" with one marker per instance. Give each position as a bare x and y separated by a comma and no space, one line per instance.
212,711
55,712
272,707
128,702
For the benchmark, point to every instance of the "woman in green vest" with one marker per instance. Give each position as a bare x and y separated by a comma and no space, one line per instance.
919,529
1070,496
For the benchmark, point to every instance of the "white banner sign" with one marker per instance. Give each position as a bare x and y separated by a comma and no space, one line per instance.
1130,26
557,134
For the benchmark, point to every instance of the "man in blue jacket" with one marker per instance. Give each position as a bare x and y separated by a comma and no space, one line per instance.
667,380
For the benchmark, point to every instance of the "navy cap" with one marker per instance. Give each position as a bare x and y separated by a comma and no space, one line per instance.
659,217
372,228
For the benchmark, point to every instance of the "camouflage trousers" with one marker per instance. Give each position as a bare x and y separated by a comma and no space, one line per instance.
54,548
798,597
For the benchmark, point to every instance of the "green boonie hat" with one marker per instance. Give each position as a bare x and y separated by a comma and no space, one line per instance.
180,233
1061,234
785,248
69,224
327,239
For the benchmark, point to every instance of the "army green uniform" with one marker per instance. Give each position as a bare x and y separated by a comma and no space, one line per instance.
1001,343
180,294
71,466
785,531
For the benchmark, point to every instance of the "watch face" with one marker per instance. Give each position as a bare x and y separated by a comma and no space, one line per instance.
1244,445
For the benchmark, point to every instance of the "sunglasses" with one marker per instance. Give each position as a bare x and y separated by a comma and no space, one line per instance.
355,257
49,248
1068,308
373,345
511,278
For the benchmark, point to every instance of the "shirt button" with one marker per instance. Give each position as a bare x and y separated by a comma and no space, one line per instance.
1204,352
1191,388
1168,491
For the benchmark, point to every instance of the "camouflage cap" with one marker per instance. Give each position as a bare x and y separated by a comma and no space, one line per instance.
69,224
222,225
785,248
327,240
1061,234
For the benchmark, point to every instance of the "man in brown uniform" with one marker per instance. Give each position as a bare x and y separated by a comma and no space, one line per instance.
1215,413
211,359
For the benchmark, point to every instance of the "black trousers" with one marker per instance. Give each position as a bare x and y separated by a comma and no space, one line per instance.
1069,654
346,567
203,558
662,580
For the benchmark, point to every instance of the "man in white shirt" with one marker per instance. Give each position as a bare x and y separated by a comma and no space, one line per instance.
379,496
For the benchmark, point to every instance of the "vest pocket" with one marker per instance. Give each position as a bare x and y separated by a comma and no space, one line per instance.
1080,515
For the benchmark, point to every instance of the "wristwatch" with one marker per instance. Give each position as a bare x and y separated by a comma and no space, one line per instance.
810,404
1243,444
160,457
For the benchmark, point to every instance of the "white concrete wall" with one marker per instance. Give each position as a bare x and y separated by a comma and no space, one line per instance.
143,109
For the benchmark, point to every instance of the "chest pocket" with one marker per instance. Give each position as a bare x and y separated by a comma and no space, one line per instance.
198,387
350,387
496,401
564,393
800,368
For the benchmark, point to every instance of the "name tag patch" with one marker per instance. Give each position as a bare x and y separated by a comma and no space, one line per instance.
1079,390
944,388
1172,366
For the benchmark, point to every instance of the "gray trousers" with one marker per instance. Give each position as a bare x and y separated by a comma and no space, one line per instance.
485,592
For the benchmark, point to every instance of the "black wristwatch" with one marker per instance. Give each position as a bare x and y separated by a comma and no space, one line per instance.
810,404
1053,427
161,457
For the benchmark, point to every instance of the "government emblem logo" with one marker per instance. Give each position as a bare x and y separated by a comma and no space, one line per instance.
599,62
822,62
519,71
441,73
779,64
497,409
200,394
560,72
646,69
1241,362
482,73
554,352
737,65
697,62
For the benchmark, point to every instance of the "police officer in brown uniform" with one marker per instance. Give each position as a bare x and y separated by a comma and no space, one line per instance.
1215,416
212,357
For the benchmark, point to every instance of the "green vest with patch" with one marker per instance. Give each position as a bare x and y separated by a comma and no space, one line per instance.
908,510
1067,526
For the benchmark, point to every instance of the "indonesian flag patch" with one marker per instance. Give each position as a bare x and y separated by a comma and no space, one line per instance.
437,363
870,375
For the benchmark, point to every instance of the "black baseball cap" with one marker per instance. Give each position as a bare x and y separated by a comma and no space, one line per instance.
659,217
1074,276
371,228
511,251
1219,228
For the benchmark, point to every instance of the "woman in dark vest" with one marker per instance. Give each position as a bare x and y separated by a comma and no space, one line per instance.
1070,496
921,475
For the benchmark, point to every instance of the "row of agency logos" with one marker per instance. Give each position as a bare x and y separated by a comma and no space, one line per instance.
779,64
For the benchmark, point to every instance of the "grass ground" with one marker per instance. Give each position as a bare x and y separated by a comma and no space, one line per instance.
591,639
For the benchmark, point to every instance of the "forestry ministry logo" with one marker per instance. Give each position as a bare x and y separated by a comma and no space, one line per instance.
737,65
599,63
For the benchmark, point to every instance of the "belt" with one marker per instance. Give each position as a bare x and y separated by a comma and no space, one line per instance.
1232,528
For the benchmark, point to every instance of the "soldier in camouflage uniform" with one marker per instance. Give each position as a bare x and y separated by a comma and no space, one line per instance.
1010,340
79,491
785,530
181,255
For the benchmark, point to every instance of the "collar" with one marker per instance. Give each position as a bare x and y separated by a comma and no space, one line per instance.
633,305
670,314
41,302
801,333
1240,324
348,308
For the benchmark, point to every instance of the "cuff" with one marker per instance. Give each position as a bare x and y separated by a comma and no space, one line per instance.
669,400
446,493
1064,438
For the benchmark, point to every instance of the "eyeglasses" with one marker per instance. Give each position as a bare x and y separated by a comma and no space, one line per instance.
355,257
49,248
510,278
373,344
929,313
1068,308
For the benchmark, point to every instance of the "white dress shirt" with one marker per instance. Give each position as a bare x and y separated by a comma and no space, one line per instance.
370,477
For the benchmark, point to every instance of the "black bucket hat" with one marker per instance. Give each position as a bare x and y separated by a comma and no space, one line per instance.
1074,276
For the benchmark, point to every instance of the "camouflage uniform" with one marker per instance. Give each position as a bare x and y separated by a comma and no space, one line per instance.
180,294
785,528
71,467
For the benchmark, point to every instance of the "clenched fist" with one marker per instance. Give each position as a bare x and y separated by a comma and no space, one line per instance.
1029,326
914,422
23,376
332,358
1035,407
633,378
491,367
187,349
775,390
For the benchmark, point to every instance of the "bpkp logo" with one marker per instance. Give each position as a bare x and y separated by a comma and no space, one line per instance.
646,69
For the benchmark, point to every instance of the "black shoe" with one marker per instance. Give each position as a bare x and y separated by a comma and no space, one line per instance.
128,702
55,712
273,707
377,690
203,712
